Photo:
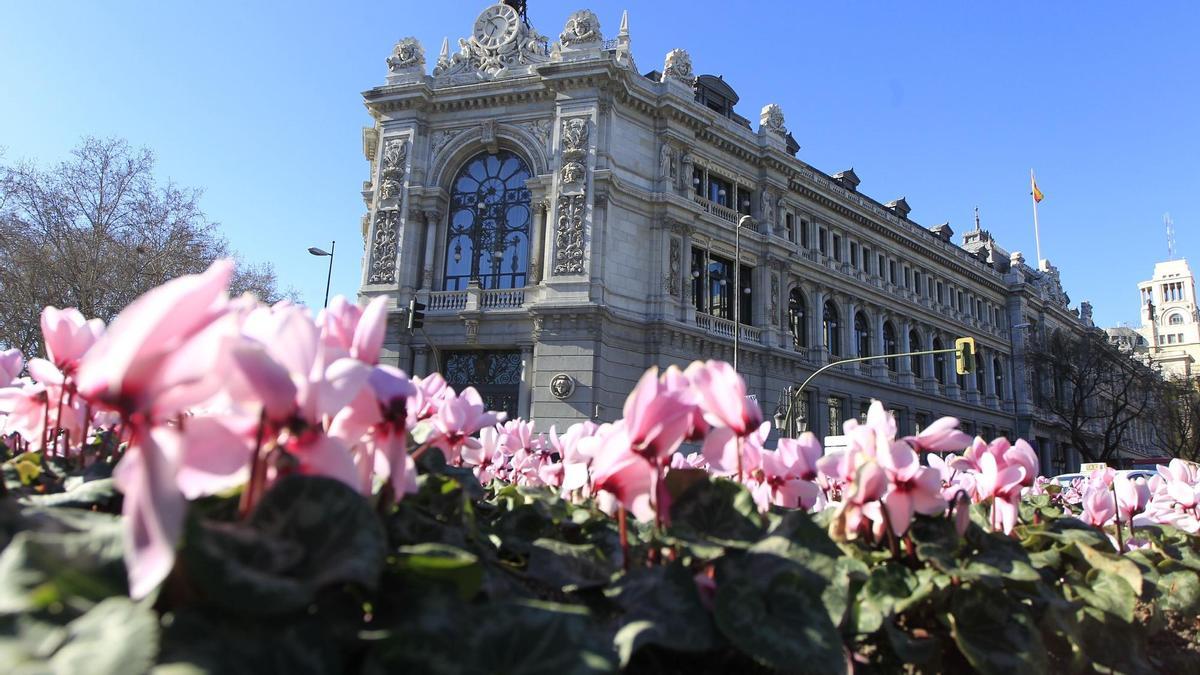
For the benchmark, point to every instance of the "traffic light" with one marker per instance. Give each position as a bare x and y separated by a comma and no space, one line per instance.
964,355
416,314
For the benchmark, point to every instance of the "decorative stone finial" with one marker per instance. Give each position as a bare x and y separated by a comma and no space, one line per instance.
1016,258
624,32
582,28
678,66
771,119
444,55
406,56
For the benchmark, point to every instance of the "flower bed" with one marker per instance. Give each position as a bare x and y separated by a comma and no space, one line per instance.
287,504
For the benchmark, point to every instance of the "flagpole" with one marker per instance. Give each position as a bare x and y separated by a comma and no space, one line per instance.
1037,237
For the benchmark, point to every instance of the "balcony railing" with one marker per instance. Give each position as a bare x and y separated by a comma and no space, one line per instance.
502,298
447,301
724,328
722,212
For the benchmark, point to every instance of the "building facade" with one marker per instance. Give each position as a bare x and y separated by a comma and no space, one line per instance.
1170,321
570,220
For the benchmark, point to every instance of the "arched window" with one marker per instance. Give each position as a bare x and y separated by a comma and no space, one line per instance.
798,318
939,362
917,363
488,236
829,324
889,345
862,334
998,373
1175,320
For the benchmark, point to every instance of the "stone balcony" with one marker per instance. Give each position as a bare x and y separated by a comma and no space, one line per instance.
475,298
715,325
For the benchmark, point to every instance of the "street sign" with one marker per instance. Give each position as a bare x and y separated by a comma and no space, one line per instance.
1089,467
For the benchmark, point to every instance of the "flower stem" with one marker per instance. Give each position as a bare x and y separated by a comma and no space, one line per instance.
624,533
1117,504
257,468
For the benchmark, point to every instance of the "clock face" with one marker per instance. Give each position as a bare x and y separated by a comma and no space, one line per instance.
496,26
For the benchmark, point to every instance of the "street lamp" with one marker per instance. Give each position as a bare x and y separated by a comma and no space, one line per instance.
744,221
320,252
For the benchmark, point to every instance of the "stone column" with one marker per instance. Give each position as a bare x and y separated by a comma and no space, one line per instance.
989,379
907,377
686,294
878,368
420,361
971,381
431,221
537,241
818,328
525,394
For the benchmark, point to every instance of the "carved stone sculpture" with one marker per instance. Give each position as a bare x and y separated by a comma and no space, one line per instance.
771,119
406,55
562,386
678,66
501,44
572,173
574,137
395,156
583,27
673,268
568,235
383,248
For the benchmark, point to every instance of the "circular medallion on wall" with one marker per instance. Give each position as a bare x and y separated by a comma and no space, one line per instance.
562,385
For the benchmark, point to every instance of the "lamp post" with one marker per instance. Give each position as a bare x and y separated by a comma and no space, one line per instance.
328,276
744,221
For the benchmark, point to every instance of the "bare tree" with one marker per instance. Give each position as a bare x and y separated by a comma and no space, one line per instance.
96,231
1093,390
1176,428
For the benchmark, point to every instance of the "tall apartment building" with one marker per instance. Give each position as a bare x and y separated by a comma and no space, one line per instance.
570,220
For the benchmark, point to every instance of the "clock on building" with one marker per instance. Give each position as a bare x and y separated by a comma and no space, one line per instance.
496,26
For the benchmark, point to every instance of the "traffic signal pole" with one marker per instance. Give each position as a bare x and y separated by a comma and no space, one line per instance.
964,348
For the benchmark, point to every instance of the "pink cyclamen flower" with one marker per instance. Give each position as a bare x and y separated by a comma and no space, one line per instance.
68,336
11,365
150,351
941,436
912,488
1003,486
721,393
1098,506
1132,496
457,419
1022,455
657,417
350,330
622,473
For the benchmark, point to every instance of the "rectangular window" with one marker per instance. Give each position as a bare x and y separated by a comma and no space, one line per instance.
822,244
746,295
960,301
920,421
698,181
866,260
699,281
790,227
907,277
804,233
917,282
719,290
880,265
892,271
941,293
720,191
834,409
854,255
837,248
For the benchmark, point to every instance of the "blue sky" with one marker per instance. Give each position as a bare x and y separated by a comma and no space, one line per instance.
946,103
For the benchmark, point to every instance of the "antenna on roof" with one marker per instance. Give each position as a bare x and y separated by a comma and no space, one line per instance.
977,218
1170,224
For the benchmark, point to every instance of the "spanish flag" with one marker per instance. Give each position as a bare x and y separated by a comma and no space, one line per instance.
1037,194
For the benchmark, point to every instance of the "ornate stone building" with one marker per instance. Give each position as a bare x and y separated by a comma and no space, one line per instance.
1170,320
570,220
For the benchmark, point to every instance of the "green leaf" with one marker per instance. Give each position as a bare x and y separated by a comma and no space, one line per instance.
206,641
1179,591
1110,562
307,533
1107,592
716,510
57,570
1000,556
912,650
569,566
995,634
537,637
115,637
442,563
937,542
777,620
662,607
82,496
890,589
